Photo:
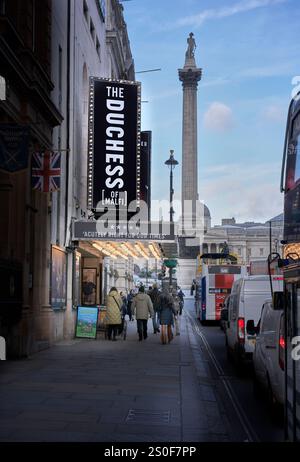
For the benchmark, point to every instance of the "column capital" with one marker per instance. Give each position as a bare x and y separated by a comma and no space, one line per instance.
189,76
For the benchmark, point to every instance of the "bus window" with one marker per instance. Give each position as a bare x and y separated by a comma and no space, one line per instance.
293,158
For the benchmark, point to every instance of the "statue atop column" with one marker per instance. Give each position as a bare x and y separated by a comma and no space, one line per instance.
190,53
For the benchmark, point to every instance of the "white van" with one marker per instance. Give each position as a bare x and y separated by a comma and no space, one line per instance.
247,297
269,353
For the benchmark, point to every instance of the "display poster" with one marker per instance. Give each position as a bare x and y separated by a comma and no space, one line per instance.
58,278
86,325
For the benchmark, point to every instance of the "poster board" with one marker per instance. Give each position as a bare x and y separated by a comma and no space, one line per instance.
58,278
86,324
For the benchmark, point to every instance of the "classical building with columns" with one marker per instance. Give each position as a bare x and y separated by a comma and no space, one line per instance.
248,241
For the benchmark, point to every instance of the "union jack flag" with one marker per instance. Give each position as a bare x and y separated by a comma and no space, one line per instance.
45,171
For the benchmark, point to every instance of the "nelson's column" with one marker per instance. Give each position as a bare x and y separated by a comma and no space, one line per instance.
190,75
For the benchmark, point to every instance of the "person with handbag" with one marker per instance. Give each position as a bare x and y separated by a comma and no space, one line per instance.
113,313
167,313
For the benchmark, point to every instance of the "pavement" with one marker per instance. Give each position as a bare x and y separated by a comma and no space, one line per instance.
85,390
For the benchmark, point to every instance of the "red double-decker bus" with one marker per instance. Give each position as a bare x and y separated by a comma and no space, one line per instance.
219,272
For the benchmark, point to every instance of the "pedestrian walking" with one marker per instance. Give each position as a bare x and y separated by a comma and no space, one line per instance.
177,307
130,297
113,313
167,312
141,308
181,300
124,305
154,294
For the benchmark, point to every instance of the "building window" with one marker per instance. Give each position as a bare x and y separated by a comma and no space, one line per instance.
85,11
92,30
261,252
239,251
249,252
98,48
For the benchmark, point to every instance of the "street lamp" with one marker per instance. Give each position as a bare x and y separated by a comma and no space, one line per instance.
171,163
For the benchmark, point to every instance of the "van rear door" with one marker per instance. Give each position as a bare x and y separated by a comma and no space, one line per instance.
255,294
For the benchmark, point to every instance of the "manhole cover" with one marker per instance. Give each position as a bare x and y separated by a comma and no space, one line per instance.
147,416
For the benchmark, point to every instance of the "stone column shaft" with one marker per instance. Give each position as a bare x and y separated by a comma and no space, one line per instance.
189,76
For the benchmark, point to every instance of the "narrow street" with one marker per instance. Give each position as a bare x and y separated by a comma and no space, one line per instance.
130,391
235,390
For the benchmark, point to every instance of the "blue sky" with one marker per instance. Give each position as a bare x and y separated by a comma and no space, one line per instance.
249,51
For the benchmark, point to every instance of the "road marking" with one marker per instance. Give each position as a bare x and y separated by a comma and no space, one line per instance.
248,429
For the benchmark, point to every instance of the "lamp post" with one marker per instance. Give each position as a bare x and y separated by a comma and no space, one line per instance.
171,163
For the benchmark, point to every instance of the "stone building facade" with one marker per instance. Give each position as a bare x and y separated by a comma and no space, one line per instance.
27,119
48,51
248,241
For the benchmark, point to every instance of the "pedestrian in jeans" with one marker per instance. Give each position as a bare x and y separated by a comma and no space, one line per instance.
113,313
141,308
130,297
154,294
167,312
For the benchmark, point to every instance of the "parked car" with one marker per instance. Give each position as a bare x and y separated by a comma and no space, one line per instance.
268,356
247,297
224,314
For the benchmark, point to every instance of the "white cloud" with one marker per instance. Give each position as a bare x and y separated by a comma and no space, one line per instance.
274,113
244,191
240,7
218,117
276,70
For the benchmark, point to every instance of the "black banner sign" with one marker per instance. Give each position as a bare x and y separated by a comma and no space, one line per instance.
114,143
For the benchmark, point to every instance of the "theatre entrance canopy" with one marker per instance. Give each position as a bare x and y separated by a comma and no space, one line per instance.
124,240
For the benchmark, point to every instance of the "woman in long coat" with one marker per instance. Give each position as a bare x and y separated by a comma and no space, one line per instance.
113,313
167,312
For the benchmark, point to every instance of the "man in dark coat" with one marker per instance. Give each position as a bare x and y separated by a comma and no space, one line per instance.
154,294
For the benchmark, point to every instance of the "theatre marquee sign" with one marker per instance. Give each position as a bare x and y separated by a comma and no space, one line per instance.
114,143
90,230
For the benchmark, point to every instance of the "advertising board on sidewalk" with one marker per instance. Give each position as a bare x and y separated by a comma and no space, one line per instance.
86,325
